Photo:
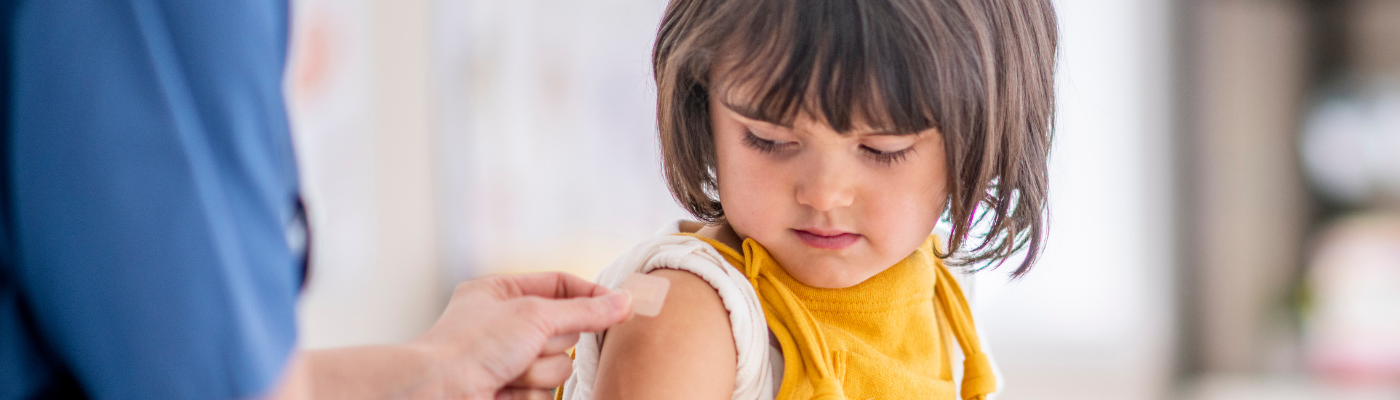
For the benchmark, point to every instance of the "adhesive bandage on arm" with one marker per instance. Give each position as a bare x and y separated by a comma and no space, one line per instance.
648,293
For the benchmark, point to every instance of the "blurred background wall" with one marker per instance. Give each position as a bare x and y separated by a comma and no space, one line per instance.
1291,250
1224,183
360,94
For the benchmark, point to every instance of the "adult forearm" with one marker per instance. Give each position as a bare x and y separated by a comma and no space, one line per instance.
364,372
501,337
373,372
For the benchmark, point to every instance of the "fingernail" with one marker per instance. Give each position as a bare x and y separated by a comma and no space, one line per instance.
619,300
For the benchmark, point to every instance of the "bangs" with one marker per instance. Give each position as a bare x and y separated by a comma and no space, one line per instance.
852,64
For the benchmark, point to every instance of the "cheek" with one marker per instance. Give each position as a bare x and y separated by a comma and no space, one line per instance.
905,207
751,189
904,213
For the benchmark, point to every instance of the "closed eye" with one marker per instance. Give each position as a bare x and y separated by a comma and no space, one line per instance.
887,157
765,146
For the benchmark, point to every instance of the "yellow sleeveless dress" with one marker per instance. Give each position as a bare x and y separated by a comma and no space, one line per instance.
885,338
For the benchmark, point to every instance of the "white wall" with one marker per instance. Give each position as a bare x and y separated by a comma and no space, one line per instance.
548,133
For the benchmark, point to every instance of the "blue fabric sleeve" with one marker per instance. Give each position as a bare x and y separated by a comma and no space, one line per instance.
151,187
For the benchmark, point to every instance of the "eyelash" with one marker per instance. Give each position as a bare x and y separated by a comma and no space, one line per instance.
888,157
766,146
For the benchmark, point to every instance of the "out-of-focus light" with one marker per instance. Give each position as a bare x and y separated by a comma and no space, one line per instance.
1351,143
1353,320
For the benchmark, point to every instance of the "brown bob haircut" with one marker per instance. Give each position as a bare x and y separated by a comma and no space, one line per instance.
980,71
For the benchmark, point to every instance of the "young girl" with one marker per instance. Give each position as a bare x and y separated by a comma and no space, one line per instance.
820,141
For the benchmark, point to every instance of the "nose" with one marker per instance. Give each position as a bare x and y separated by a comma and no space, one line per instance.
826,185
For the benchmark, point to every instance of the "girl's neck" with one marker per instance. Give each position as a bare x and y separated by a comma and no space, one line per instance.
722,233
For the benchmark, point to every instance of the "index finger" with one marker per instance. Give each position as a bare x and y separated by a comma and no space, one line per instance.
550,285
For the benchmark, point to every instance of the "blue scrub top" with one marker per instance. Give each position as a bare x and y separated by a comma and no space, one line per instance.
149,218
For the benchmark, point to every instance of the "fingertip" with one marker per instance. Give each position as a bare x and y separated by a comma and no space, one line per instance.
620,304
619,300
601,290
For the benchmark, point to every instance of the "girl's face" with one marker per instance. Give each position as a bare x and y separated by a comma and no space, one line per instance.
833,209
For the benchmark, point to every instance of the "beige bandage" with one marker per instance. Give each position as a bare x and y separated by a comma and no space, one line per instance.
648,293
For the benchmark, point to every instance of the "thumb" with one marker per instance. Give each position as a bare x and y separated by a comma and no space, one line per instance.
586,314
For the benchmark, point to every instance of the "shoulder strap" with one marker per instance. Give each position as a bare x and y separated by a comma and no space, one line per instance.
978,378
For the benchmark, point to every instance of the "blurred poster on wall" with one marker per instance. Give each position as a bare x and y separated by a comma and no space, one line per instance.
328,93
548,145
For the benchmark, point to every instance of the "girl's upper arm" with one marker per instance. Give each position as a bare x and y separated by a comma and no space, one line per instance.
686,352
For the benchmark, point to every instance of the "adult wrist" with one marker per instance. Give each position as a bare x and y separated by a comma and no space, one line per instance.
436,366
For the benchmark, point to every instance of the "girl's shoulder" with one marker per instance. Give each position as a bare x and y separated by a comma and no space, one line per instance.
685,352
711,336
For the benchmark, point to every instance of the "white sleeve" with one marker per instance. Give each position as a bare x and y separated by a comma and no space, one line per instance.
754,376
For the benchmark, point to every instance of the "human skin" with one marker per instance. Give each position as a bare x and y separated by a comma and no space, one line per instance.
833,209
685,352
501,337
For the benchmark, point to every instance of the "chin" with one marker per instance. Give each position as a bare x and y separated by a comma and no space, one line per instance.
826,272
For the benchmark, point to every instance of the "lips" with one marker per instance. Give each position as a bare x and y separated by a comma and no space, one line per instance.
827,240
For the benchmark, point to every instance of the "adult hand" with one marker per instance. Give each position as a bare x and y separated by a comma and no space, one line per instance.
501,337
506,336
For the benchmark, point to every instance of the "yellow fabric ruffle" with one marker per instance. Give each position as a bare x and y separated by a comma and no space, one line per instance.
885,338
